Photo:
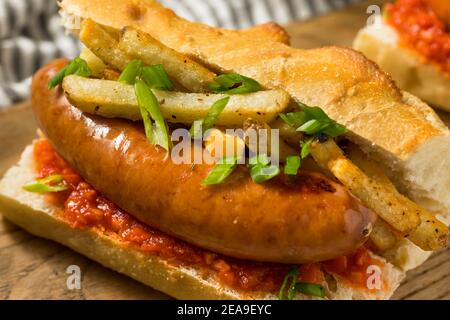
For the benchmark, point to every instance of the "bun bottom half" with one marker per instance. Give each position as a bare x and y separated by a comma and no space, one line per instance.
34,214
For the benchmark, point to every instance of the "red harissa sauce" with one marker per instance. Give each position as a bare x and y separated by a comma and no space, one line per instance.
421,29
84,207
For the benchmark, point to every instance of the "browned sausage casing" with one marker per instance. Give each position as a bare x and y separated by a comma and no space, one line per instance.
313,219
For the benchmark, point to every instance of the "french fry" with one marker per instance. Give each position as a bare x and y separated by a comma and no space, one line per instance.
382,236
431,234
95,63
113,99
104,43
187,72
395,209
378,194
255,127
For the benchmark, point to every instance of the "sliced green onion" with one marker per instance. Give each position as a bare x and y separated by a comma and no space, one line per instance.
156,77
77,66
58,78
310,289
335,130
260,170
260,173
234,84
292,165
196,131
260,159
314,113
131,72
293,275
158,132
294,119
313,121
221,171
52,183
213,113
148,124
313,126
306,148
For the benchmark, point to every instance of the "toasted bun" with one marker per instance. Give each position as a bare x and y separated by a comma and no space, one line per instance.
395,128
31,212
380,43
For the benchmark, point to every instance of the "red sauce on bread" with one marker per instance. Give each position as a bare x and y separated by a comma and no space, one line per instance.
84,207
421,29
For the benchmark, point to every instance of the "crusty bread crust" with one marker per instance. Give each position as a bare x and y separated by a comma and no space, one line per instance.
349,87
31,212
379,42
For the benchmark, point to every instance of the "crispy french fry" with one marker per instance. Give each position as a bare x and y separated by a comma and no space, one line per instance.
117,49
113,99
95,63
379,194
382,236
395,209
187,72
256,128
104,44
431,234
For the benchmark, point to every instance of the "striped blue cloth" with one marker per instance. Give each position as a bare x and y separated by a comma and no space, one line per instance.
31,33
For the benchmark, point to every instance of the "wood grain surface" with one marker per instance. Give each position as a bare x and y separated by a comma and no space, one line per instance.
33,268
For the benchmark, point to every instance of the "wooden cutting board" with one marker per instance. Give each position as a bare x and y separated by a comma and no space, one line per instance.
33,268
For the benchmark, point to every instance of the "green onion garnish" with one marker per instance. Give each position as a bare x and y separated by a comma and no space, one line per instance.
305,145
207,123
313,121
196,130
52,183
294,119
334,130
131,72
291,274
221,171
77,66
158,132
234,84
310,289
261,159
292,165
260,170
156,77
313,126
261,173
